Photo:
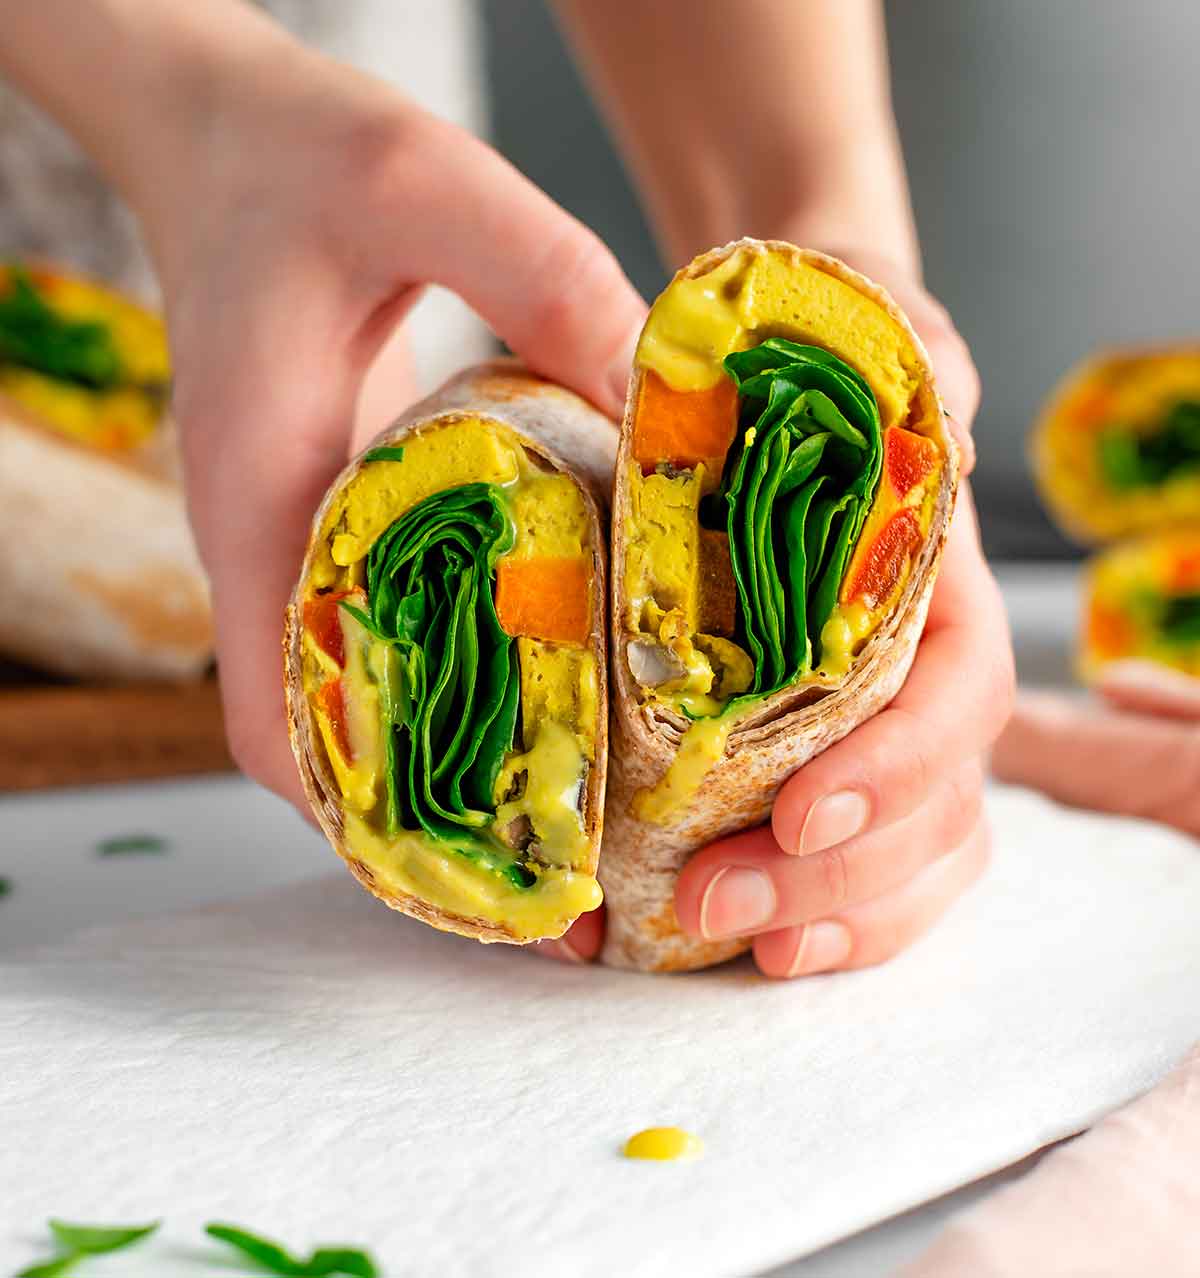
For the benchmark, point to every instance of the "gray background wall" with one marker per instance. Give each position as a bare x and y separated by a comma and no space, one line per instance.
1052,150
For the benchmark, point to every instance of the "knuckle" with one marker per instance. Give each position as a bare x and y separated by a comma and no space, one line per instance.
834,877
918,773
964,805
576,264
1000,691
243,747
247,746
981,853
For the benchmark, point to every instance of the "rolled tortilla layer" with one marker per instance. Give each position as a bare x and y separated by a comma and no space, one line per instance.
102,576
445,658
1143,603
1116,450
785,482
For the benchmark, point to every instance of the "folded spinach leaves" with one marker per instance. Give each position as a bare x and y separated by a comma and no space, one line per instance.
797,486
448,675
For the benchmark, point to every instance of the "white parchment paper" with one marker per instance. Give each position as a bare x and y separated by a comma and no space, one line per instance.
314,1066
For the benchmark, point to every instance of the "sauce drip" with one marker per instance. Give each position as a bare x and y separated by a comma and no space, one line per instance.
663,1145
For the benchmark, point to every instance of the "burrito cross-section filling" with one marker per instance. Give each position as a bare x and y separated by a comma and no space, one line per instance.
785,482
777,504
451,670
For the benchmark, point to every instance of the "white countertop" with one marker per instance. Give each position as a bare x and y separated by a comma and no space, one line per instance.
60,882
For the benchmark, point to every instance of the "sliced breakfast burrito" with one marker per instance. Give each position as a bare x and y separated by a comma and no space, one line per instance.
1117,447
785,481
445,657
106,573
1143,603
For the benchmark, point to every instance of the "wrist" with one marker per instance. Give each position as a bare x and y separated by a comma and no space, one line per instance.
851,201
847,196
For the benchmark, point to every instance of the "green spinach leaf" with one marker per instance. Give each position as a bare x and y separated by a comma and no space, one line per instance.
796,497
451,687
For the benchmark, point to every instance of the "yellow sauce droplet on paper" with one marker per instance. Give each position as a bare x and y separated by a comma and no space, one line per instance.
663,1145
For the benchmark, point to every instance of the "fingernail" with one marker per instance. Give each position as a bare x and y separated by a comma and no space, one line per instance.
822,945
737,900
833,819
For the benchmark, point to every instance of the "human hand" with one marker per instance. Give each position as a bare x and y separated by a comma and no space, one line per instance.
311,207
1149,719
874,839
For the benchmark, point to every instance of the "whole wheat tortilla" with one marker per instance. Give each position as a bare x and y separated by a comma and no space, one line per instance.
99,572
641,861
574,438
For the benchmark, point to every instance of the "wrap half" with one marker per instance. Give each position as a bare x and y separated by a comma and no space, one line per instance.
101,577
1142,602
784,486
1116,450
445,658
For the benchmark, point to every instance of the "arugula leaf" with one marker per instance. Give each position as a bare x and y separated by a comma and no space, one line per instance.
5,886
323,1263
35,336
450,693
94,1240
122,844
80,1241
383,453
796,497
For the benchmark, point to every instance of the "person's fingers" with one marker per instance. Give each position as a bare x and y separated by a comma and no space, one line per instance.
1089,757
545,283
262,440
1145,688
952,706
875,931
744,885
579,944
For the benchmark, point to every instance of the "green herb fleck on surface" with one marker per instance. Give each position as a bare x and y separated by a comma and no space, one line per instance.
384,454
78,1241
323,1263
121,844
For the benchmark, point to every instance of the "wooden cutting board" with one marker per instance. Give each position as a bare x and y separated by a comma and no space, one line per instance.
58,734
